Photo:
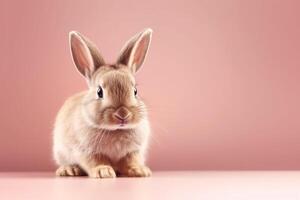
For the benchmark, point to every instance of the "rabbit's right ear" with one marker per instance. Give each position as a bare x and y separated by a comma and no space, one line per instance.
85,54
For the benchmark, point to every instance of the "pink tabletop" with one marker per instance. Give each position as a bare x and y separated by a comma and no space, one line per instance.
163,185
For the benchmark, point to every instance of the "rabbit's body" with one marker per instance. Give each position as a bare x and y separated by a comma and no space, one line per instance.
104,131
70,145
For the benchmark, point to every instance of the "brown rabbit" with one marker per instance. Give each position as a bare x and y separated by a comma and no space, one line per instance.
104,131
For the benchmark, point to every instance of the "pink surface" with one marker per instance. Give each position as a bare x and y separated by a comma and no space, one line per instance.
221,78
212,185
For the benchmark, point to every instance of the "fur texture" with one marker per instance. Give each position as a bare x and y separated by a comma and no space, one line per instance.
107,135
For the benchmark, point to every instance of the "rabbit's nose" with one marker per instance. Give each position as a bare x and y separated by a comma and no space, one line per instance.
122,113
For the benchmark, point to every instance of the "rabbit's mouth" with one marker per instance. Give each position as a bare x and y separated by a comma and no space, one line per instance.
121,126
122,122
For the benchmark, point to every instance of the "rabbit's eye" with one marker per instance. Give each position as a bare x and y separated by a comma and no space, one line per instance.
135,91
100,92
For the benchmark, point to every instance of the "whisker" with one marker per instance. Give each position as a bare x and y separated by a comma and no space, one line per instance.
103,132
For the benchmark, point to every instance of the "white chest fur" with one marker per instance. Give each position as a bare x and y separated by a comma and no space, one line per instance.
115,144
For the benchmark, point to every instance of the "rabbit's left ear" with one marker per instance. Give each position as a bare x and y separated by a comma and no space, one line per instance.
134,52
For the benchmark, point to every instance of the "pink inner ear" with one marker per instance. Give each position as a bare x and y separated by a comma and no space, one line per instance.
140,52
81,56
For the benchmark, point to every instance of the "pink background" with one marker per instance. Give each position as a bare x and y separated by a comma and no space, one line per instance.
221,78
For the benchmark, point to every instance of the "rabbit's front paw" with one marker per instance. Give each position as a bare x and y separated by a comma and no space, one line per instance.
103,171
138,171
69,170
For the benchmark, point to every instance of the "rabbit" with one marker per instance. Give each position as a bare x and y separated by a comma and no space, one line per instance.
103,132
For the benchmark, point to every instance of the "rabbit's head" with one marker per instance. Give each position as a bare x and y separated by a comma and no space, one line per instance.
112,101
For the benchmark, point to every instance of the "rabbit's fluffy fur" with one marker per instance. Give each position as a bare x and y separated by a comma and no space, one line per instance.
104,131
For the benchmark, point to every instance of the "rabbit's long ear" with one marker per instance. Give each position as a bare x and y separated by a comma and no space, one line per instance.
85,54
134,52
